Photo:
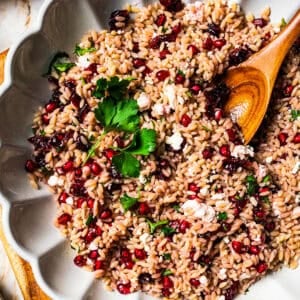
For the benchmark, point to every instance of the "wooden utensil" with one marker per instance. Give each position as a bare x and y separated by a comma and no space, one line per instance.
29,288
252,81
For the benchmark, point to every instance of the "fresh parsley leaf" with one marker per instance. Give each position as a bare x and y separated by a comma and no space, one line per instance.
42,132
59,57
206,128
295,114
189,94
167,256
83,81
81,51
252,185
176,207
266,179
180,72
283,23
61,67
89,220
92,150
222,216
167,272
127,164
154,226
164,29
143,143
128,202
266,199
167,230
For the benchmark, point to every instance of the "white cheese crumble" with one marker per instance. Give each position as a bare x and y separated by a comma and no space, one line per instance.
204,191
269,159
222,274
199,210
70,201
144,102
142,179
175,140
226,240
203,280
242,152
160,109
83,61
145,238
218,196
93,246
169,92
296,167
262,171
53,180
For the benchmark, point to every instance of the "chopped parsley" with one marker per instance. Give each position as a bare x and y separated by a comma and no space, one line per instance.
167,230
206,128
266,179
252,185
167,256
176,207
167,272
266,199
154,225
283,23
60,63
42,132
222,216
82,51
180,72
89,220
128,202
295,114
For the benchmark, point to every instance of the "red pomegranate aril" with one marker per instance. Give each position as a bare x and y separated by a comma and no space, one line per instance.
125,254
260,214
176,29
64,219
225,150
78,172
270,226
185,120
146,71
166,292
68,166
162,75
254,250
167,282
91,235
124,288
260,22
63,197
261,267
98,230
136,47
109,153
264,189
296,138
106,214
129,264
194,49
93,254
90,203
144,208
163,54
207,153
219,43
80,260
184,225
139,62
218,114
45,119
99,264
282,137
231,135
237,246
195,89
207,44
193,187
140,254
80,202
30,166
161,20
96,169
193,197
50,107
179,79
288,90
155,42
194,282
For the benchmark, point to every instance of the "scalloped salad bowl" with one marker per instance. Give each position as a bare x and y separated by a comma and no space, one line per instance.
28,214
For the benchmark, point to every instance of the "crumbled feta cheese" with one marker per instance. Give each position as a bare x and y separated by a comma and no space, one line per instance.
83,61
180,100
226,240
60,181
222,274
296,167
53,180
175,140
144,238
144,102
218,196
203,280
253,201
70,201
142,179
93,246
210,214
169,92
89,262
244,276
262,171
242,152
199,210
190,206
204,191
269,159
158,109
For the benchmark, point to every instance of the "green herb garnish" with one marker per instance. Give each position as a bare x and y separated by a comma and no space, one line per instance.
283,23
222,216
167,272
265,199
266,179
63,66
164,29
81,51
180,72
167,256
167,230
154,226
42,132
127,164
89,220
252,185
128,202
206,128
295,114
176,207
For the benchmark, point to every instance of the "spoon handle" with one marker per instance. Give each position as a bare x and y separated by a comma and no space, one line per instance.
270,58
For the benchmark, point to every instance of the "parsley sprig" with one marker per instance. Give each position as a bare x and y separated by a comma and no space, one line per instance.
295,114
60,63
82,51
128,202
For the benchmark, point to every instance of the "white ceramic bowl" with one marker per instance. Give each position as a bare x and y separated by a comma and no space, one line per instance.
27,214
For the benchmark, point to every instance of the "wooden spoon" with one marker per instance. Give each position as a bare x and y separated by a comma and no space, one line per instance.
252,81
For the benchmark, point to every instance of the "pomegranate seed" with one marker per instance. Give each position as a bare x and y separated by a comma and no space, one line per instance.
98,230
161,20
207,153
45,119
218,114
176,29
64,219
254,250
162,75
156,42
167,282
96,169
68,166
263,190
109,153
146,71
260,22
93,254
282,136
179,78
225,150
135,47
125,255
166,292
261,267
172,5
270,226
207,44
237,247
92,68
163,54
80,260
184,225
296,138
91,235
140,254
78,172
193,197
99,264
231,135
144,208
90,203
214,29
288,90
106,214
75,100
232,291
185,120
194,282
195,89
219,43
63,197
238,55
194,49
193,187
50,107
30,166
124,288
80,202
260,214
139,62
129,264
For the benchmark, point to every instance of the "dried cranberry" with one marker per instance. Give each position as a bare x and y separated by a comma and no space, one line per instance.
119,19
106,214
232,291
140,254
225,150
261,267
254,250
124,288
163,54
288,90
63,197
45,119
80,260
260,22
214,29
231,134
146,71
83,111
156,42
194,282
99,265
30,166
144,208
64,219
179,78
219,43
208,152
177,29
92,68
50,107
162,75
185,120
183,226
98,230
139,62
161,20
194,49
135,47
195,89
270,226
172,5
166,292
75,100
238,55
296,138
145,278
90,203
82,143
77,189
167,282
95,168
207,44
